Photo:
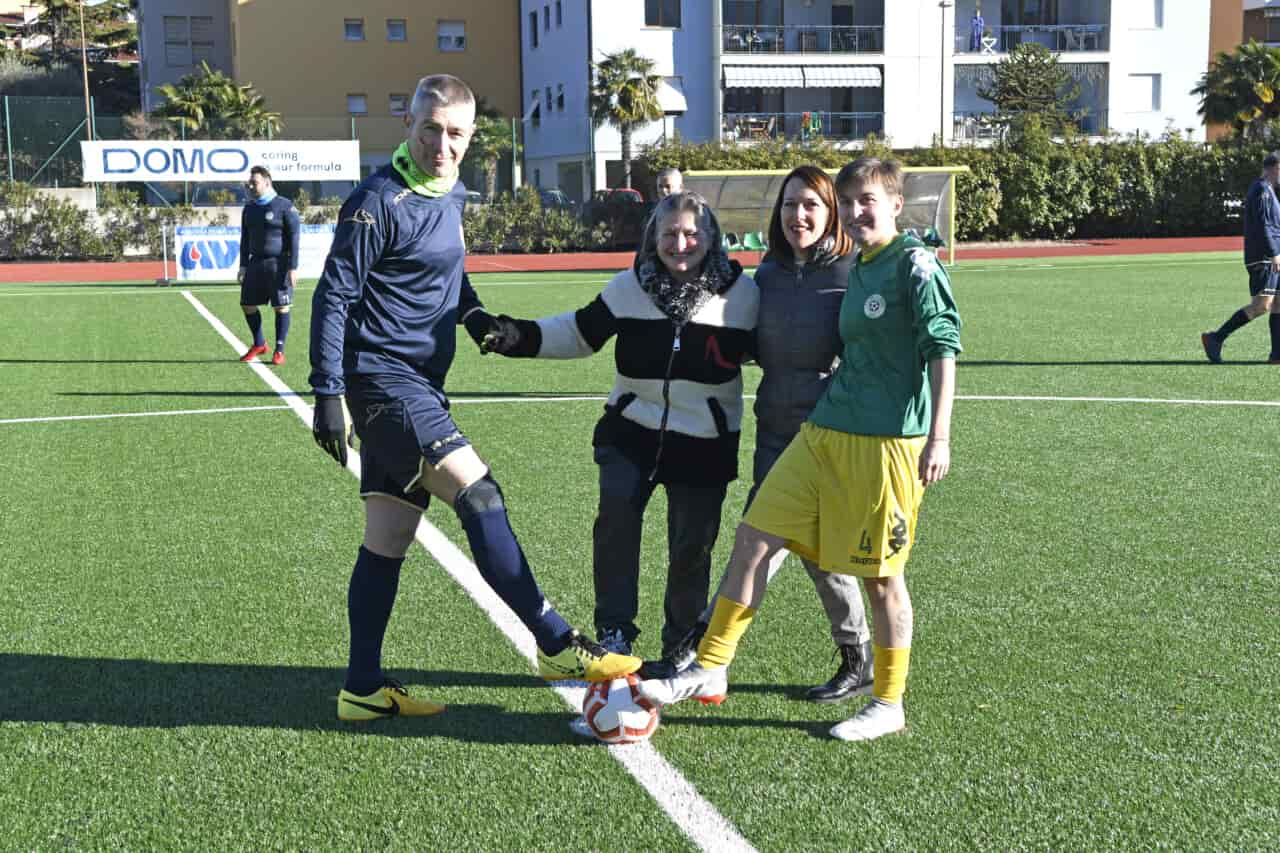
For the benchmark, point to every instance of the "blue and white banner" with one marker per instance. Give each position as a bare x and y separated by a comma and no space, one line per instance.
212,253
113,161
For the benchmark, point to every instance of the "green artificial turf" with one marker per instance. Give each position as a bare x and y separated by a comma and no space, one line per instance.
1095,661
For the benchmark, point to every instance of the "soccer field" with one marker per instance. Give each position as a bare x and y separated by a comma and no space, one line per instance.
1096,587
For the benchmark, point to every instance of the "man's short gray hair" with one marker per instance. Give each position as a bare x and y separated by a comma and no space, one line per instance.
440,90
669,172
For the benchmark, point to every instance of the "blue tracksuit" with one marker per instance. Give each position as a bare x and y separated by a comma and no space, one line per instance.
393,288
270,230
1261,223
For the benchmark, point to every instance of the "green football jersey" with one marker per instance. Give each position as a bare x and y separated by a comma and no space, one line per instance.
897,315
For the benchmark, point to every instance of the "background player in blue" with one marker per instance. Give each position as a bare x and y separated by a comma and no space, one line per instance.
1261,259
269,233
383,332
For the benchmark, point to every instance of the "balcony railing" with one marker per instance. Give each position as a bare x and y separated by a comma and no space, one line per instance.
1064,38
981,126
802,39
748,127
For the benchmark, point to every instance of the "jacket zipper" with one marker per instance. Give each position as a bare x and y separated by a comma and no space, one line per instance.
666,401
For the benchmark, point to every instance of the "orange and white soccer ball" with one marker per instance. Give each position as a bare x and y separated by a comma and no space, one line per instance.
617,713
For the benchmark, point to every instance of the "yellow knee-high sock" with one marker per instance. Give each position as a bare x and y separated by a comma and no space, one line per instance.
890,673
728,623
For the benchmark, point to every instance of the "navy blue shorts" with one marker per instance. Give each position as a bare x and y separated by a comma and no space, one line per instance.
266,281
1263,279
400,435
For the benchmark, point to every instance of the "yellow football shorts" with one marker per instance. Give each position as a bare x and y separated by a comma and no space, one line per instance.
846,502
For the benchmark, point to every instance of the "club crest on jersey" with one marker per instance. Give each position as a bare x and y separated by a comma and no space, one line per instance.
874,306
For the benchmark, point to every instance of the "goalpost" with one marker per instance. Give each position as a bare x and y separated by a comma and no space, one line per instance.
743,201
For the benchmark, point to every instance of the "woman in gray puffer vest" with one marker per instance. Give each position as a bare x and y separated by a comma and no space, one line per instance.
802,281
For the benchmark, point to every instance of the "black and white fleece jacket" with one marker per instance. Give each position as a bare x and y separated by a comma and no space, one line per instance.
676,405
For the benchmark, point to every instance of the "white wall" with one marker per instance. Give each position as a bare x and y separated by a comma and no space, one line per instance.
918,78
1178,52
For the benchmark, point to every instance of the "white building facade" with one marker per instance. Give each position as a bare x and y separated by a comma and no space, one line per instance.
905,70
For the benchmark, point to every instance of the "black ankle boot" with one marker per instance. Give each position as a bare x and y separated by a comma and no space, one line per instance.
854,674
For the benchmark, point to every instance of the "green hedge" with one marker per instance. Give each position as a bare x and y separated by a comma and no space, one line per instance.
1033,187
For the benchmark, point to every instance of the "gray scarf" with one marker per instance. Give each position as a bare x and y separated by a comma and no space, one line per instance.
680,300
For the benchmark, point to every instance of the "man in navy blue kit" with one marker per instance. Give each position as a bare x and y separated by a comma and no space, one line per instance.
383,329
1261,260
269,234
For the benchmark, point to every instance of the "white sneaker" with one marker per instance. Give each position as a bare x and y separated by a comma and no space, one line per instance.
578,725
708,686
876,719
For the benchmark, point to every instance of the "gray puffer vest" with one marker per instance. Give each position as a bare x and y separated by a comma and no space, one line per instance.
797,339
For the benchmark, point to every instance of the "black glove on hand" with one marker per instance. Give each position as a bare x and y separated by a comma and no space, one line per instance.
503,337
331,429
479,324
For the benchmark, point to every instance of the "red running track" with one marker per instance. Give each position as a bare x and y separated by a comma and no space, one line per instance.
13,273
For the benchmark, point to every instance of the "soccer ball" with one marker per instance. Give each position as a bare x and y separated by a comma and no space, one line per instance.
617,713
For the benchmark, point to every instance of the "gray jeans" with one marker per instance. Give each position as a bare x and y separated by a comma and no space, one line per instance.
841,595
693,523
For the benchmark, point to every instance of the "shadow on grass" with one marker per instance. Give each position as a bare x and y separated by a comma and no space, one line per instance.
156,694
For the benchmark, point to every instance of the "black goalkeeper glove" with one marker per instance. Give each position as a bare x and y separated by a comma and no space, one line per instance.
493,334
332,428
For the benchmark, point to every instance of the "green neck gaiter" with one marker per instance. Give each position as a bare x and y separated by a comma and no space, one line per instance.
419,181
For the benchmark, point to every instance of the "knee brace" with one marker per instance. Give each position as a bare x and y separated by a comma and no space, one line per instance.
484,495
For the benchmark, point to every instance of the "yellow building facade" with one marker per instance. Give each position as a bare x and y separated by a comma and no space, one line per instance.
327,66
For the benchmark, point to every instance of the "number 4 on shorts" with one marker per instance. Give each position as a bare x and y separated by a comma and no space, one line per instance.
864,544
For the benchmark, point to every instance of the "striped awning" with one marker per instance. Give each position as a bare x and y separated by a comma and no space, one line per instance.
671,96
763,76
842,77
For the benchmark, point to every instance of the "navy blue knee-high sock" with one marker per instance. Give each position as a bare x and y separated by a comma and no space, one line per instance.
503,566
255,326
282,328
372,592
1234,322
1274,321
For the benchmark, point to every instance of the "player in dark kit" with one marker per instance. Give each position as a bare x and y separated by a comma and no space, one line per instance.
269,234
383,333
1261,259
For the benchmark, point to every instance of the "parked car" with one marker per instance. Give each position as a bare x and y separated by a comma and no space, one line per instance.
622,210
556,199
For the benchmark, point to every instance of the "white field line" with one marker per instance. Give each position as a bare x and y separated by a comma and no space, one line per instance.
1147,400
696,817
142,414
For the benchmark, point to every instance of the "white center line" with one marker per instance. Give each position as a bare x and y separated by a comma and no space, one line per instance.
696,817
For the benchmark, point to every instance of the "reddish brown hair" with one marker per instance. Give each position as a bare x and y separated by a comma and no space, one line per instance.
820,182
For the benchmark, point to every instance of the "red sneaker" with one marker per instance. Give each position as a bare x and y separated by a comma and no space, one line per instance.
254,351
278,358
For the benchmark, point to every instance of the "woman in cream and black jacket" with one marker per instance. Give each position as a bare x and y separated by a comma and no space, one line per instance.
684,316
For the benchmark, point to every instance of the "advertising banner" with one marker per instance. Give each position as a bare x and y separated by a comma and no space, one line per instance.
212,253
226,161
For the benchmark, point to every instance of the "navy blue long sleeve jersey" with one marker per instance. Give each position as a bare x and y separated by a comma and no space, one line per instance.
270,230
393,288
1261,223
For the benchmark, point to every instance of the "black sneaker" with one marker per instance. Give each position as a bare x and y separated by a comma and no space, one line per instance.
853,676
1212,347
678,658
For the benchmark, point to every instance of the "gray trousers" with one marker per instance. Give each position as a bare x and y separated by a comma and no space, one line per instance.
693,523
841,595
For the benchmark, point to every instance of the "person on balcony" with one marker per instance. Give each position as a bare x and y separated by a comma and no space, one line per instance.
977,29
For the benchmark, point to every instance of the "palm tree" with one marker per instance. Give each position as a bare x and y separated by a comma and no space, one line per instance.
624,94
1240,89
492,139
209,104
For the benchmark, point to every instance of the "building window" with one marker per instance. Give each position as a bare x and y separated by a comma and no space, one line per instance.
559,15
535,117
1146,92
533,28
451,36
353,29
550,103
560,97
399,103
201,39
357,104
188,40
662,13
537,177
396,29
1272,24
546,17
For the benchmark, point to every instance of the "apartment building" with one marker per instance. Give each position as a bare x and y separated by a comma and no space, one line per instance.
333,68
909,70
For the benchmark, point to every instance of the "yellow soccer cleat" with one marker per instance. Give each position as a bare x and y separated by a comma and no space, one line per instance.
389,700
584,660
